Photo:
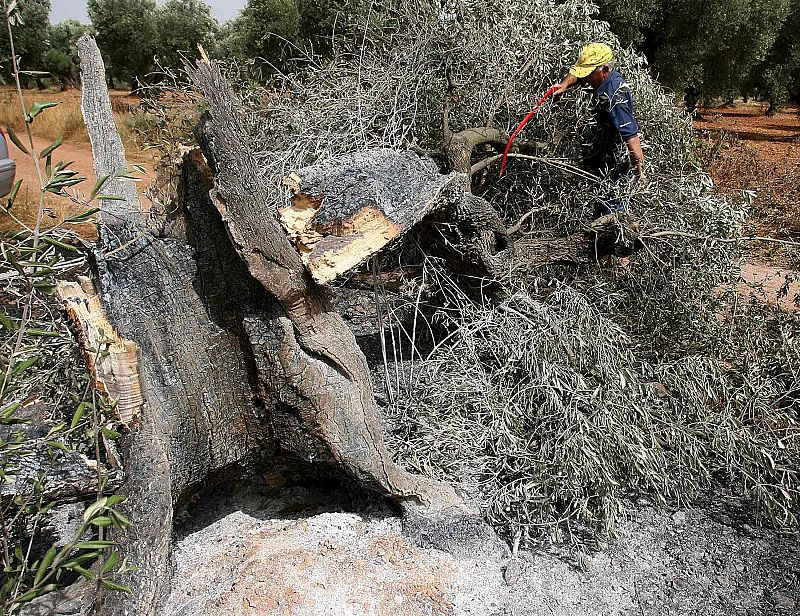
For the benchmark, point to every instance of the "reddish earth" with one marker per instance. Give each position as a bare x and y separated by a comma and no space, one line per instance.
769,133
57,208
748,150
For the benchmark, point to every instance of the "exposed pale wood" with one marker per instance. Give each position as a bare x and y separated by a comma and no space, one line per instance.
112,360
346,210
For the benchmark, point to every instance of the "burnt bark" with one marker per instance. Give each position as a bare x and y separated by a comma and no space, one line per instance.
238,352
64,476
198,414
346,210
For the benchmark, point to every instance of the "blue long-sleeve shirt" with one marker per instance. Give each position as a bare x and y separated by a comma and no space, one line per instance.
614,101
613,108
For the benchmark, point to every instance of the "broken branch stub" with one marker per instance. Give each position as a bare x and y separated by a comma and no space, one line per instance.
345,210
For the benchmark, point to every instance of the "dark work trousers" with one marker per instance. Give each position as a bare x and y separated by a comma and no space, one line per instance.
607,161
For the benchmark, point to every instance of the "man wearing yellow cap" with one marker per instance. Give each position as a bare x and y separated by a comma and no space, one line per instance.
614,107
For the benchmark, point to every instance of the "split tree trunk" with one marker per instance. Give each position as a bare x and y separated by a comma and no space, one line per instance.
309,359
238,351
198,414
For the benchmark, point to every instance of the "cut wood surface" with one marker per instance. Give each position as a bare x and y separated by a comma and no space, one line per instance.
345,210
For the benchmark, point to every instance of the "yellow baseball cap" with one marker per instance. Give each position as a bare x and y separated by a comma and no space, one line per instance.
591,56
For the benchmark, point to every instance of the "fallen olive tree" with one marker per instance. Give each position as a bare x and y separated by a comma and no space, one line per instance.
550,386
231,353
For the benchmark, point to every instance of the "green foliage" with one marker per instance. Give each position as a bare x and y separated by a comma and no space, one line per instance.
61,57
182,25
631,20
126,35
709,47
32,22
266,30
698,43
320,20
277,31
777,77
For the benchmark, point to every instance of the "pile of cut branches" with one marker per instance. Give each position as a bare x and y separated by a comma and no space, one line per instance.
549,406
545,411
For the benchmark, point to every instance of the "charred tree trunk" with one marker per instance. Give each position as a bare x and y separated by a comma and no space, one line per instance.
311,362
229,350
237,352
197,414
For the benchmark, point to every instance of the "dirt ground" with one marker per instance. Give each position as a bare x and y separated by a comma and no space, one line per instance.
748,150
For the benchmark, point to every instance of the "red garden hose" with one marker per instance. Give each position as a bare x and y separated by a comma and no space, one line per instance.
522,125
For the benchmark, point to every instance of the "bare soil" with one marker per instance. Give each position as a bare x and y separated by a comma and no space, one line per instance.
75,149
748,150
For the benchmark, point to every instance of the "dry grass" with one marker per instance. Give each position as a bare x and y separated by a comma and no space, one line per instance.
66,119
63,121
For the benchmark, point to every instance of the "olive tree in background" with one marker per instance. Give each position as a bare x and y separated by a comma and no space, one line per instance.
777,77
266,30
322,19
29,42
126,35
275,32
181,26
705,49
61,57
